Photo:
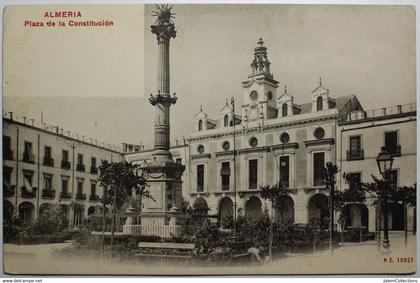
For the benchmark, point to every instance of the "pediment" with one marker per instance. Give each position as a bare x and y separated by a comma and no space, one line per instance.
320,91
226,110
285,97
200,115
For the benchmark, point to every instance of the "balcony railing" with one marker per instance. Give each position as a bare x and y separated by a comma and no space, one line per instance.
28,158
8,155
94,170
65,164
80,167
393,150
27,193
48,161
80,196
8,190
355,155
48,193
65,195
93,197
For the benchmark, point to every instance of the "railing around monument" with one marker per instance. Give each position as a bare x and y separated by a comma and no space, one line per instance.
162,224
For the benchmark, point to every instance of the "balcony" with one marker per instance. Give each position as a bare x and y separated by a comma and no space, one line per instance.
65,195
8,190
80,196
48,161
8,155
28,158
80,167
94,170
48,194
93,197
65,164
27,193
355,155
393,150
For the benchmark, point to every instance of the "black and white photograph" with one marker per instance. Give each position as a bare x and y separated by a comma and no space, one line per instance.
209,139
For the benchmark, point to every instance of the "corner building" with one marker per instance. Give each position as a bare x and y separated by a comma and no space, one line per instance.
45,165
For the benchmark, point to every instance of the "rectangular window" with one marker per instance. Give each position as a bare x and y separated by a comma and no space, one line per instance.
80,159
47,182
391,142
393,177
47,152
225,174
253,174
7,153
64,185
65,155
80,186
355,145
93,189
356,178
27,180
28,155
7,177
318,168
93,162
200,178
284,171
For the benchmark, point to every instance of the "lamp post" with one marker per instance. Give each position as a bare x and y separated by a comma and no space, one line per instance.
384,161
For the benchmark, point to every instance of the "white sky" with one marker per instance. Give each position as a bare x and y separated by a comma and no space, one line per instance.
364,50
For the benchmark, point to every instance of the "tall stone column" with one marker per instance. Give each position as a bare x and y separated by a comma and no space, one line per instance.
163,174
164,31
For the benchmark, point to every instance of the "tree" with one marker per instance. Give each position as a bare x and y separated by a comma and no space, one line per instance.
329,173
392,194
274,194
120,180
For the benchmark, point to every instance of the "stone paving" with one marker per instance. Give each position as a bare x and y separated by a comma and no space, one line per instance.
352,258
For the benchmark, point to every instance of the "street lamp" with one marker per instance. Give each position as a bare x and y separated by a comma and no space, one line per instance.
385,161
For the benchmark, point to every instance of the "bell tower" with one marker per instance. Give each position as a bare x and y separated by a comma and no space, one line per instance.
259,100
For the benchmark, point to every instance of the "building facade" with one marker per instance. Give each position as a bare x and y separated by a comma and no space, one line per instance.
278,140
44,165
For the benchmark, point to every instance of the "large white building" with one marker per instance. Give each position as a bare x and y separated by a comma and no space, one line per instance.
278,139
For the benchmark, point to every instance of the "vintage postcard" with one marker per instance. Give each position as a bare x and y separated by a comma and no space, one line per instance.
209,139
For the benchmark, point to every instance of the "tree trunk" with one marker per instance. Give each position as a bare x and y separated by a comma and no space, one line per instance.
103,229
113,222
270,240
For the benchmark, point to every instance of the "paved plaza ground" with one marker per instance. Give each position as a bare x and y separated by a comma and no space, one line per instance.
352,258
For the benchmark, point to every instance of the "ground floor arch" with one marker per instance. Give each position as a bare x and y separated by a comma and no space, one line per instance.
284,209
26,211
8,210
318,209
200,206
91,211
225,211
253,208
355,215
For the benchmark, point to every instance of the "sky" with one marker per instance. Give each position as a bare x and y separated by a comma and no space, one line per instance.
97,82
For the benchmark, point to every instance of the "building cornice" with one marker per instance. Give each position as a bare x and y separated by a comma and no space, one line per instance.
263,128
254,149
285,145
202,155
319,142
57,135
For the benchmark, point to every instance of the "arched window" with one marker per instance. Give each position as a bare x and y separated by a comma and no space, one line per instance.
200,125
226,120
284,110
319,103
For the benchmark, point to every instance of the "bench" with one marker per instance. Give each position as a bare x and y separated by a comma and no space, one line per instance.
181,251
